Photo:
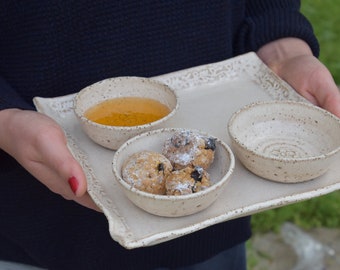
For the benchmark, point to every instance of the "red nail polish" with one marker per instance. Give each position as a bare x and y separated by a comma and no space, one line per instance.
73,182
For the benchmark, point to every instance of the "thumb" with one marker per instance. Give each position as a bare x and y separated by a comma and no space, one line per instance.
75,175
68,168
61,161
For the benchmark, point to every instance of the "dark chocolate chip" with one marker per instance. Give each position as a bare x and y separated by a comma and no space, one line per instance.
160,167
210,143
197,174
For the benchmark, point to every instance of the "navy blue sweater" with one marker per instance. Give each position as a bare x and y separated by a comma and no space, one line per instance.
51,48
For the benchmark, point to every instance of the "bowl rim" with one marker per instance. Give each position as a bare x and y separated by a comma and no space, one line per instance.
130,188
309,106
127,128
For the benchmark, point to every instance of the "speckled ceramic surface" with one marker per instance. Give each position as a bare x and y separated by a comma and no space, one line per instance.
208,96
174,206
113,136
285,141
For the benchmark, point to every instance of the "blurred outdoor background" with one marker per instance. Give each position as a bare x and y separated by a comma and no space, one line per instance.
324,211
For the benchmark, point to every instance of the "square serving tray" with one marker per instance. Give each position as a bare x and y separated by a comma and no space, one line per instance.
208,96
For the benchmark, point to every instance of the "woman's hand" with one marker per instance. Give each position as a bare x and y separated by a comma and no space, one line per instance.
39,144
293,61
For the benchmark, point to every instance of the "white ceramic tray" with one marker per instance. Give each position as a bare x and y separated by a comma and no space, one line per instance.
208,95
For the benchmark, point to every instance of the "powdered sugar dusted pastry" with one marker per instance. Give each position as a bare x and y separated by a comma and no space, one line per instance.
147,171
188,148
186,181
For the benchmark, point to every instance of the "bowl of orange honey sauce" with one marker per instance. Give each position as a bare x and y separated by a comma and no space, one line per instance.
114,110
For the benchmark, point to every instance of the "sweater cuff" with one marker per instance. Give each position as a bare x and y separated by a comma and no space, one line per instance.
260,30
9,98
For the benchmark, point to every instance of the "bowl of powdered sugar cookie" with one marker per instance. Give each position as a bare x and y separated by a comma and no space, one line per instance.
173,172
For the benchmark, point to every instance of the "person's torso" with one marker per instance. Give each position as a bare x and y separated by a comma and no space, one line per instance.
52,48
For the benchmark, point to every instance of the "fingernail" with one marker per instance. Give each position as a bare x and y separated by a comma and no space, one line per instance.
73,182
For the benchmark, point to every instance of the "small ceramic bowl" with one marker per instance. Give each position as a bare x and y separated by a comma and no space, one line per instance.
285,141
170,205
113,136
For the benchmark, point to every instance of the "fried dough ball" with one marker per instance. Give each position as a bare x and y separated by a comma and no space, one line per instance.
186,181
188,148
146,171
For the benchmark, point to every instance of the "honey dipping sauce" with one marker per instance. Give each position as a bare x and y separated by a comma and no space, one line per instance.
127,111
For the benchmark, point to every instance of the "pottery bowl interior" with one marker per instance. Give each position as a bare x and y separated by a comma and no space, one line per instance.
285,141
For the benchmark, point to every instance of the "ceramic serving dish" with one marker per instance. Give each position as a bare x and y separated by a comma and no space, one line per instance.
173,205
225,86
285,141
113,136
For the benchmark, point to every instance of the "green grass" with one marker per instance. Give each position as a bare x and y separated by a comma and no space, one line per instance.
321,211
317,212
324,16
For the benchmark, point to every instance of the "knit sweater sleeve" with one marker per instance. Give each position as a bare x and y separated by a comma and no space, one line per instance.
9,98
268,20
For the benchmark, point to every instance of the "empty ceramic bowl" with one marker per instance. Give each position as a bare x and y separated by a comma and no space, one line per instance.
285,141
114,110
220,172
